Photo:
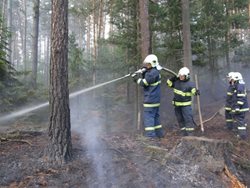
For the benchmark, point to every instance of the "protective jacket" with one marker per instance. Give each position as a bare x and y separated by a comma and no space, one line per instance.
239,108
239,98
183,92
150,82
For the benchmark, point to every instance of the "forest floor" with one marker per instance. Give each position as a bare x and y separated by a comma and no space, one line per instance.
125,159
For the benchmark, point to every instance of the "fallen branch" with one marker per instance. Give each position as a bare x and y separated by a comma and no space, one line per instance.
15,140
234,181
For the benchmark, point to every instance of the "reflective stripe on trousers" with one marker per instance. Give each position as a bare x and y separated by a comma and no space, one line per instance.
153,127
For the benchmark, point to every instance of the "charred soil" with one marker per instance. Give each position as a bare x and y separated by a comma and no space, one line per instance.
123,159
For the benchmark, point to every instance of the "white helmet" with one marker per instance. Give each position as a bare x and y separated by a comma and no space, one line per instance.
152,59
230,76
237,76
184,71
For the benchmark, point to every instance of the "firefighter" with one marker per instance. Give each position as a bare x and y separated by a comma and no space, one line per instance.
150,80
239,105
183,89
229,98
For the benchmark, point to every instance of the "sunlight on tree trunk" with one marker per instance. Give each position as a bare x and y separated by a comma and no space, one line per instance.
59,149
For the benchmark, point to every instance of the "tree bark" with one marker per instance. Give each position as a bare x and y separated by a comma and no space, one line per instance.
95,34
25,36
187,52
35,44
10,27
144,28
59,149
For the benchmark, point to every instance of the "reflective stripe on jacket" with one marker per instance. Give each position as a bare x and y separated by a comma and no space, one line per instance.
183,91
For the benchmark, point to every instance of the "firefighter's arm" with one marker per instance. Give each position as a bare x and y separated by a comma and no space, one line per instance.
142,81
194,90
171,81
135,77
146,80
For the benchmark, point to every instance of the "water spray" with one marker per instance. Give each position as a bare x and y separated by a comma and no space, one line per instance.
72,95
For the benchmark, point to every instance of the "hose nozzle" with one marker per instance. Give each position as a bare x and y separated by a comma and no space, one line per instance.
142,70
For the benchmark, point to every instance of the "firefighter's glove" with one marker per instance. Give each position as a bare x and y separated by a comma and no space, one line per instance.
135,77
143,70
173,79
197,92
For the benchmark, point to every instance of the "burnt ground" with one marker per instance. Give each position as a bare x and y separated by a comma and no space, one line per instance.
123,159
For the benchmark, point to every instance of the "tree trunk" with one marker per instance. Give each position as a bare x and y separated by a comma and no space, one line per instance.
25,37
11,30
249,12
187,52
59,149
35,44
94,43
144,28
88,50
47,61
101,15
3,10
138,108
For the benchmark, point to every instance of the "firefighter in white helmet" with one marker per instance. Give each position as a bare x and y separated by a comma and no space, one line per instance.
229,101
239,104
150,80
183,89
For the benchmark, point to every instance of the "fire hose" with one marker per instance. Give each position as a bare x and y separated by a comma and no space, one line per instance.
175,74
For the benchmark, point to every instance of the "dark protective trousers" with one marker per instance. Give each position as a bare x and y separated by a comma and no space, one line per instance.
229,120
240,123
184,116
152,125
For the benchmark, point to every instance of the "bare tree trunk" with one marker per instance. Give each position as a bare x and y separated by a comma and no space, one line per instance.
3,12
10,29
144,28
227,40
187,52
47,61
249,12
25,37
35,44
59,149
4,2
88,50
138,91
95,43
101,5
